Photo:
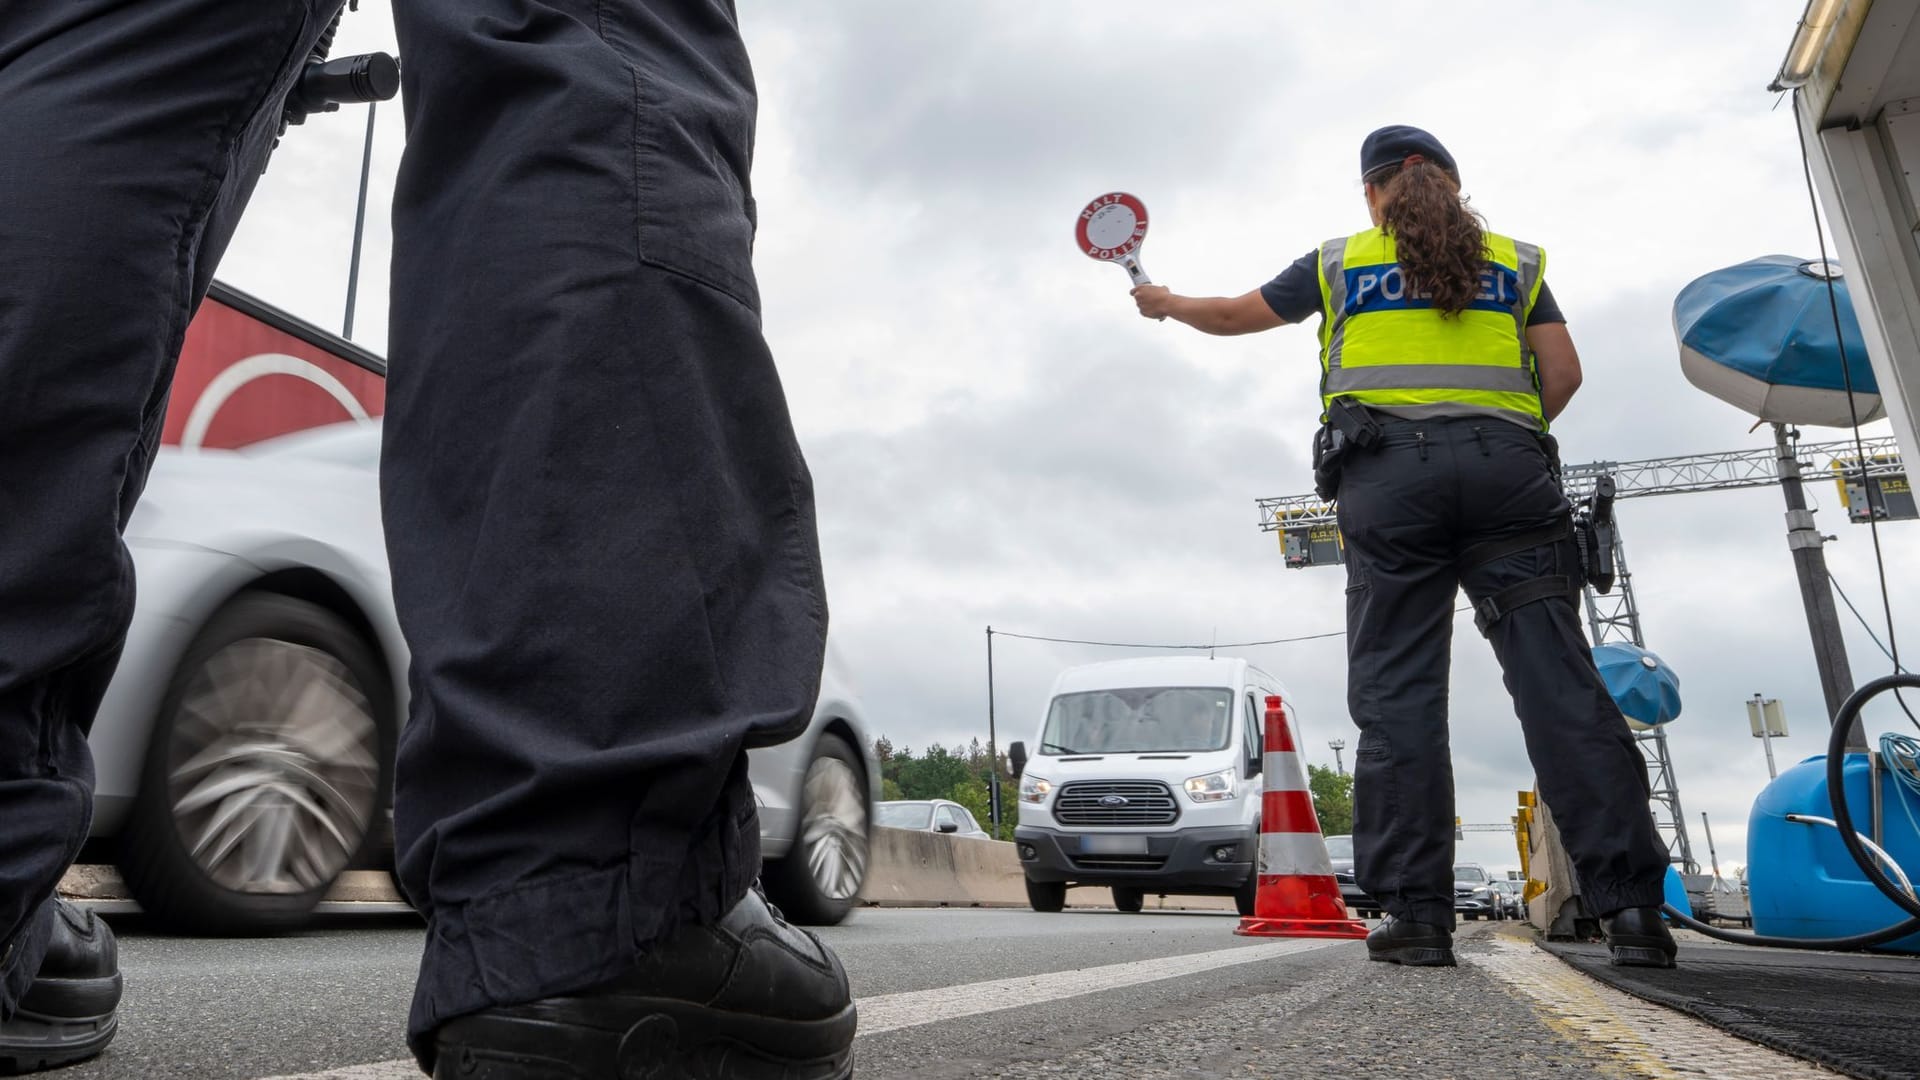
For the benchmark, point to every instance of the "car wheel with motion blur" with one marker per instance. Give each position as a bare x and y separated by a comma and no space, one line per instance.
819,881
269,762
1047,896
1129,899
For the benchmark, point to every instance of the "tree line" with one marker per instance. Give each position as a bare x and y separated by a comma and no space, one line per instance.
962,774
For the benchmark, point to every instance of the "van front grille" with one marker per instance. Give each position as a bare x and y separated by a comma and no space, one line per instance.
1119,862
1121,803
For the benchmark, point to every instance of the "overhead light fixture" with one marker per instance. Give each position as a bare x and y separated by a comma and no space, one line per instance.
1809,41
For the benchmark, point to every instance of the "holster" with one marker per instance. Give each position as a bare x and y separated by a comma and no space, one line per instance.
1593,534
1329,454
1348,427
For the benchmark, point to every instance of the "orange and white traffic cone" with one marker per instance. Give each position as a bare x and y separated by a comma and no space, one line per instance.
1297,896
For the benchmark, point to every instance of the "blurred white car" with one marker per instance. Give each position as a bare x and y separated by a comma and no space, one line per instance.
929,815
245,748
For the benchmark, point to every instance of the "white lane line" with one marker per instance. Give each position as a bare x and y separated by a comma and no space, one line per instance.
911,1008
890,1012
397,1069
1648,1040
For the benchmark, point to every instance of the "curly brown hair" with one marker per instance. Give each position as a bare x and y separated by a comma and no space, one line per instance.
1441,241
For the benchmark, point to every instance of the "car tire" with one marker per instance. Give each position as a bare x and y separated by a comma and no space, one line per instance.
1247,894
246,816
1046,896
1129,900
819,880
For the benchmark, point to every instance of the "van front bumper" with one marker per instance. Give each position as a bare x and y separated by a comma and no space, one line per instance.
1189,860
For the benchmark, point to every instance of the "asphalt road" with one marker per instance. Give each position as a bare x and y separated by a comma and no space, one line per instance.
944,993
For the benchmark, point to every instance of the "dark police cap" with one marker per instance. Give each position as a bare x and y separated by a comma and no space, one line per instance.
1391,146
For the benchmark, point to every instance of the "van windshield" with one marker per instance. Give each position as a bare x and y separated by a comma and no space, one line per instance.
1147,720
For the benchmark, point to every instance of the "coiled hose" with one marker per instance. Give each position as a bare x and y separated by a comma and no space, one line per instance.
1904,755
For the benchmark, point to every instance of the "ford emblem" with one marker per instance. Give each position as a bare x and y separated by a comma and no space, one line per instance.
1113,800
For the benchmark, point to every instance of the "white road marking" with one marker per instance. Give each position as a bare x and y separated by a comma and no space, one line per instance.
890,1012
911,1008
397,1069
1648,1040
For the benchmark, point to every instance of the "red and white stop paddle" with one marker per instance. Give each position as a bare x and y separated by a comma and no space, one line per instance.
1111,229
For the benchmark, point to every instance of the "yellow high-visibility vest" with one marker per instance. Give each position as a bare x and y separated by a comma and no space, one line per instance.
1382,345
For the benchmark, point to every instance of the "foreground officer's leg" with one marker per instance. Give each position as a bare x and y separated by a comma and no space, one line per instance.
1591,773
130,137
1395,513
603,547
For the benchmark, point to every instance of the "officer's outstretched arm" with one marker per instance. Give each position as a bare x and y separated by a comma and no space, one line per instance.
1224,315
1558,363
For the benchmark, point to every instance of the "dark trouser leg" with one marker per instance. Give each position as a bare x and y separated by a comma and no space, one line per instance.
133,134
601,527
1591,773
1400,589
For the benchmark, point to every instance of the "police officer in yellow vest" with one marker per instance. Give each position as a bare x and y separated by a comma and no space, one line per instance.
1443,359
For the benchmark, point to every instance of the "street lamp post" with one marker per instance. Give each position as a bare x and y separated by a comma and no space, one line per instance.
993,748
1338,745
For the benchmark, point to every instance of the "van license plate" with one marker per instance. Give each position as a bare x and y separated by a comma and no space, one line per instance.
1114,845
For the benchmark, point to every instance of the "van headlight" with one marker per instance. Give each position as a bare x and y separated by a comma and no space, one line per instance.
1213,787
1035,789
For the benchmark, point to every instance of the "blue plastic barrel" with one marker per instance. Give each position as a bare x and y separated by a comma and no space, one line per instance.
1676,892
1801,880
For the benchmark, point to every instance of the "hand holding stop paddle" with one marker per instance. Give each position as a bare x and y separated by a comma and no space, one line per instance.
1111,229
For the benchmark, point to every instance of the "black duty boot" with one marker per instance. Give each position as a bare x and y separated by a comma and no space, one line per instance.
1399,941
1638,937
748,997
70,1011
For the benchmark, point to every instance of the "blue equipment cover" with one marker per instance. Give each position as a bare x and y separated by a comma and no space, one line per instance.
1760,336
1645,688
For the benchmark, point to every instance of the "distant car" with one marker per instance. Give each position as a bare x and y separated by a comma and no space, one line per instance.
245,747
928,815
1510,897
1474,895
1340,850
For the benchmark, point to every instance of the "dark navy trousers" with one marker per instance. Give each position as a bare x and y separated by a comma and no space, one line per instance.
600,524
1409,507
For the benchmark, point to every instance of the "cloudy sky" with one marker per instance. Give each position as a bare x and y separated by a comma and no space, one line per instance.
998,439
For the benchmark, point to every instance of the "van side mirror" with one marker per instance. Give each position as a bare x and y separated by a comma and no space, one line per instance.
1017,758
1254,765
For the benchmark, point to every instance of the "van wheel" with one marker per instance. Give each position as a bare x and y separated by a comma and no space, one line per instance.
1048,896
268,767
1244,896
1129,900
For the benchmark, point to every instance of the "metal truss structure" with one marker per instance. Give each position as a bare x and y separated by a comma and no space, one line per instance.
1308,527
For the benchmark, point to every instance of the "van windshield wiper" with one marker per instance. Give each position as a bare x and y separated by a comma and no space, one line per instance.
1058,749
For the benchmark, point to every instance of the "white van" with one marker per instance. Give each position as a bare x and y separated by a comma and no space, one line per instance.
1145,778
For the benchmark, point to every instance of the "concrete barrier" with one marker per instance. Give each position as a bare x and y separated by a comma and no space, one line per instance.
905,868
911,868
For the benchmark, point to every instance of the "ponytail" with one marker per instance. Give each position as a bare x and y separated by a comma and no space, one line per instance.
1440,240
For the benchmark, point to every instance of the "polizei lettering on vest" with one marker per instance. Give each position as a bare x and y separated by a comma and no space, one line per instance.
1385,288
